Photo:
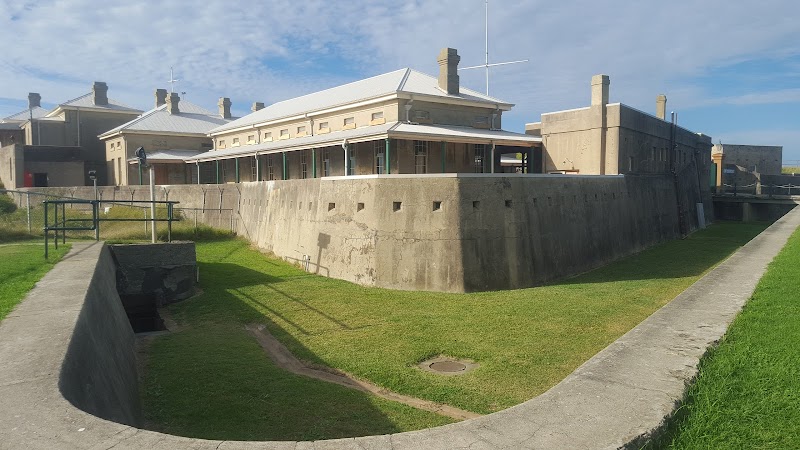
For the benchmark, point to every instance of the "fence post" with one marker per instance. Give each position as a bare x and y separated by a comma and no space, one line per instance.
28,207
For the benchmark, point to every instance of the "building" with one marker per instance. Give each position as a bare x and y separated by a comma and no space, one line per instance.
10,127
613,138
77,123
744,165
401,122
173,131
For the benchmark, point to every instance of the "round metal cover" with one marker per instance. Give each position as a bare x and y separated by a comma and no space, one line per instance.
448,366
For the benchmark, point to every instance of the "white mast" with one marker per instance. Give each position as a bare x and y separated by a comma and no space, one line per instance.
486,65
172,81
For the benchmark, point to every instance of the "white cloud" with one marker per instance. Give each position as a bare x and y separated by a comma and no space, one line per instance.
269,51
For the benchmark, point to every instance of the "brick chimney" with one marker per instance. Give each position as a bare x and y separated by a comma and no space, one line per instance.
34,100
257,106
448,70
172,103
224,107
161,97
600,85
100,93
661,106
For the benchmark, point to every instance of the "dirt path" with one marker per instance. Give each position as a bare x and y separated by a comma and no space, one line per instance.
284,359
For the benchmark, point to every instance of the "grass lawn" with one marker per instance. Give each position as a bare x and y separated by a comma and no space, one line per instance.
747,393
525,340
21,266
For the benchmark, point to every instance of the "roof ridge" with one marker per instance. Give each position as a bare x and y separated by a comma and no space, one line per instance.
66,103
139,118
404,79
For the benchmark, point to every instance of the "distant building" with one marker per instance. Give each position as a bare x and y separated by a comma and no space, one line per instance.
610,139
401,122
11,127
743,165
172,132
76,123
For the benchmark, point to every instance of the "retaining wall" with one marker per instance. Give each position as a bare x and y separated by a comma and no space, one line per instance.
448,232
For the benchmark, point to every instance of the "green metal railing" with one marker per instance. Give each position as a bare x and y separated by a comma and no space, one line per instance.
60,225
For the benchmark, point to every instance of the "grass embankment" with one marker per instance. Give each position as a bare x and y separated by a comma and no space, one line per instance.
212,380
21,266
747,393
790,170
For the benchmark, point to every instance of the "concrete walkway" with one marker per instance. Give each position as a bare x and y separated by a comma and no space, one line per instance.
616,399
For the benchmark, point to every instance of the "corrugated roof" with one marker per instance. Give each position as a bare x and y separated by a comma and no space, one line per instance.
10,126
397,130
400,81
171,155
87,101
37,112
190,119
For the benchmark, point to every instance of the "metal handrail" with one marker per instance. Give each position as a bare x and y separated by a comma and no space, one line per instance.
61,226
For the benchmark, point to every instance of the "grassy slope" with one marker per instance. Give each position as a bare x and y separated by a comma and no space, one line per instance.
21,266
747,393
525,340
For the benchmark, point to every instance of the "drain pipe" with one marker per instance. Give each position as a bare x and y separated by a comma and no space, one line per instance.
197,163
408,107
258,167
494,146
346,149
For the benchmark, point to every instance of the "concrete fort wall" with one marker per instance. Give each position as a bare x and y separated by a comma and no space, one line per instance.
447,232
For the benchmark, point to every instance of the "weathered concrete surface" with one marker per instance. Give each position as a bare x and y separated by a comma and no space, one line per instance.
615,399
166,270
442,232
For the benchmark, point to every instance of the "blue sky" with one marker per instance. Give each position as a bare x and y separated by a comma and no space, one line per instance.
729,69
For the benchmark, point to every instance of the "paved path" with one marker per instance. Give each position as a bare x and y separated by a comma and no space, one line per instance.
283,358
613,400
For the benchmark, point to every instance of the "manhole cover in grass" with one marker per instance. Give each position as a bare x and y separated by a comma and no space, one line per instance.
443,365
448,366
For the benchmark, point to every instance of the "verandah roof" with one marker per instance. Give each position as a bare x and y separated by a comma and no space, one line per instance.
391,130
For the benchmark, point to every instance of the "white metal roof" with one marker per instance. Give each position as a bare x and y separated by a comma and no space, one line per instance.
394,130
407,81
166,156
87,101
37,112
191,119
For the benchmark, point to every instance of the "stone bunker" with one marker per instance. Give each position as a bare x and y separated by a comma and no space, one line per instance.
68,378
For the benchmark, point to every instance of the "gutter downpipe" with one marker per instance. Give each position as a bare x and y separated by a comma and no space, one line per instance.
258,167
313,162
197,163
346,149
493,148
388,159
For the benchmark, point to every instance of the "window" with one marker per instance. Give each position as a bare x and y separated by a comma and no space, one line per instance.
481,121
270,167
268,137
285,133
323,126
304,163
422,115
380,157
349,122
301,130
251,139
377,115
480,155
235,142
326,162
221,143
421,156
351,168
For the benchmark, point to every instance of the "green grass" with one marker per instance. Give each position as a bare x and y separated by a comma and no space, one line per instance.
525,340
790,169
21,266
747,393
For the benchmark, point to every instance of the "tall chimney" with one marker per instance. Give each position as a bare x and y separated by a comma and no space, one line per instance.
448,70
100,93
161,97
661,106
34,100
257,106
224,107
600,90
172,103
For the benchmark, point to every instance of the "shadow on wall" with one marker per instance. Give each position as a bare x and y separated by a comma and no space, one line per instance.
234,377
660,261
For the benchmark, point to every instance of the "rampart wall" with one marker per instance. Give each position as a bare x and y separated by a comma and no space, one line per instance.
451,232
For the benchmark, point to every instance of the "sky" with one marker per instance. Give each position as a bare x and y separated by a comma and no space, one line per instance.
730,69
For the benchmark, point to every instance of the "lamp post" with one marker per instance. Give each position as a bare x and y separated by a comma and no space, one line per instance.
141,155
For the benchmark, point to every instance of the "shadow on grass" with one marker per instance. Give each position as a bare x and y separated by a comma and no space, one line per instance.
236,392
663,261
